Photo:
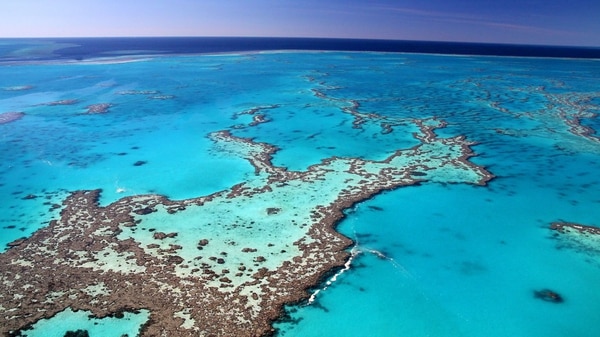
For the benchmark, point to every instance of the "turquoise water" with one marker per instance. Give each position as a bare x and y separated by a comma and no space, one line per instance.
433,260
69,320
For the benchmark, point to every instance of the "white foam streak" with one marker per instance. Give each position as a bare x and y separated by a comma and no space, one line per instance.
391,260
356,250
353,253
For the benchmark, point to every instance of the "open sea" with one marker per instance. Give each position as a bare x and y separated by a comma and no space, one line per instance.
132,116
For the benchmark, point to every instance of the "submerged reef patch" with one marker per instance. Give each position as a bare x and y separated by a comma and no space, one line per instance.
584,239
548,296
7,117
77,333
18,88
566,227
61,102
98,108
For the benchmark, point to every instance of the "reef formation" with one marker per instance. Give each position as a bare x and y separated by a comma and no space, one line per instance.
217,265
7,117
566,227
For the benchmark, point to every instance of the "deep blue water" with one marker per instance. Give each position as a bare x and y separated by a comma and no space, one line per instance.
85,48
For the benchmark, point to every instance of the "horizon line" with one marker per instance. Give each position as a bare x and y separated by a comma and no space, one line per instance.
297,37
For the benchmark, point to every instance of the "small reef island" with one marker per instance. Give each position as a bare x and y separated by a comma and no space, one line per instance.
279,239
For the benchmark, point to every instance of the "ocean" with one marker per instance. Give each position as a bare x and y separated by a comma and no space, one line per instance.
464,175
86,48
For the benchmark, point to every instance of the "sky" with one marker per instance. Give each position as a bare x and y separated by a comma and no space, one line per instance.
546,22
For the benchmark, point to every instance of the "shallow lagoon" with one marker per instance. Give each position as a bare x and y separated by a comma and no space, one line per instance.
438,259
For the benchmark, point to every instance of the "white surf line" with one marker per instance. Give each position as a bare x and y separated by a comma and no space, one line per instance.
353,253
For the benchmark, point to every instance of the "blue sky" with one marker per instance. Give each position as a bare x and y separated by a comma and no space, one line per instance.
551,22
